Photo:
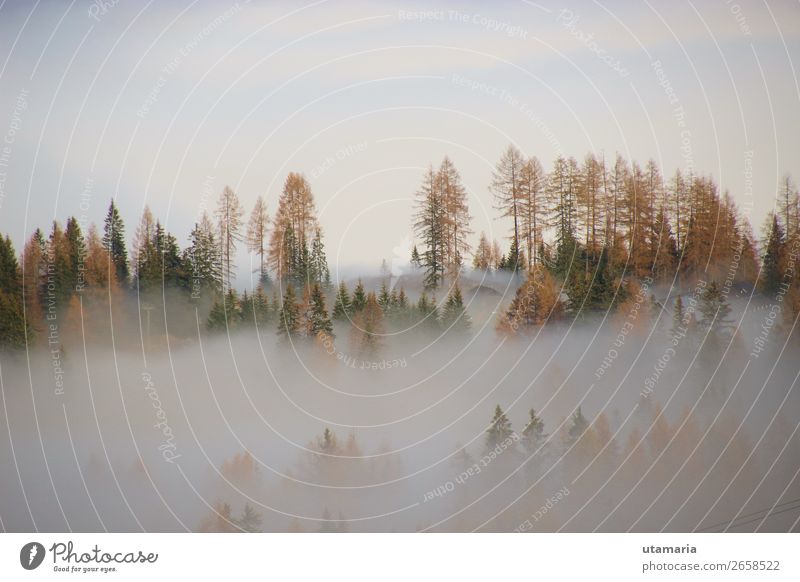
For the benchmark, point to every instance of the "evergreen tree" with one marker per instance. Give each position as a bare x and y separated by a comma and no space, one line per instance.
342,308
715,312
318,262
318,322
677,318
202,261
114,242
385,298
13,328
499,429
533,435
289,320
577,428
225,313
454,315
359,298
772,266
416,260
76,248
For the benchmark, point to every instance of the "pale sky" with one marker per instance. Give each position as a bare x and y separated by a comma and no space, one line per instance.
165,103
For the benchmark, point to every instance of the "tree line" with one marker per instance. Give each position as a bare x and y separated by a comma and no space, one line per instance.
582,237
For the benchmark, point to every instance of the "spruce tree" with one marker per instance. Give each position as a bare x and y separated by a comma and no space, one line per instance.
533,435
772,270
114,242
359,298
318,321
577,428
289,321
499,429
13,329
454,315
342,307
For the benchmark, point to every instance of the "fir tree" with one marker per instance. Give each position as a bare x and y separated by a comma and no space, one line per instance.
318,323
533,435
454,315
318,262
225,313
359,298
289,321
114,242
13,329
577,428
772,267
342,308
499,429
416,260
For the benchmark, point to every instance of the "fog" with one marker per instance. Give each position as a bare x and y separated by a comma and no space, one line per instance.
160,430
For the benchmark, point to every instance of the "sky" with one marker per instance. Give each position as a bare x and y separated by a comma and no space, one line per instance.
165,103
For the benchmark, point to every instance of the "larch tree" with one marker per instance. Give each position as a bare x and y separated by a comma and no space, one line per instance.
257,229
229,215
507,188
532,207
456,217
295,216
430,226
483,259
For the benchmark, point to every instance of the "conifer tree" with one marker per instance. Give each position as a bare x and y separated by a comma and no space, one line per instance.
229,221
508,191
289,320
13,328
342,308
499,429
577,428
454,315
318,267
772,268
533,435
359,298
369,326
225,313
257,237
416,260
202,261
318,323
114,242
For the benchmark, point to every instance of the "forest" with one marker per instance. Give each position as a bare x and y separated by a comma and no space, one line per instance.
658,284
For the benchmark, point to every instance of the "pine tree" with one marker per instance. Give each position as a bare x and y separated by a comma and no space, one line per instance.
225,314
114,242
454,315
577,428
318,323
342,309
772,266
499,429
715,311
318,267
533,435
359,298
416,260
202,261
678,315
289,321
13,328
385,298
